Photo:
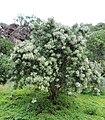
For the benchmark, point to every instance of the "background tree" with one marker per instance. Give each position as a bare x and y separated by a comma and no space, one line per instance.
6,47
26,21
5,68
96,46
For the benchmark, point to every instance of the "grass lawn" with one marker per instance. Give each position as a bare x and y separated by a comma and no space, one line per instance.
30,104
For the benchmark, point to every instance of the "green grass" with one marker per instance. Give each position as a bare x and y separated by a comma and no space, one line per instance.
17,105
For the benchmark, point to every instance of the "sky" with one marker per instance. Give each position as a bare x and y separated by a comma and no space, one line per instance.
67,12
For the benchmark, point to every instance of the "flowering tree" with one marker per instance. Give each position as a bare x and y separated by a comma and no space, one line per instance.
52,59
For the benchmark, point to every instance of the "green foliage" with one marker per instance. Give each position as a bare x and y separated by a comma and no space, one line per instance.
18,105
96,45
23,20
6,46
5,68
54,59
59,60
99,26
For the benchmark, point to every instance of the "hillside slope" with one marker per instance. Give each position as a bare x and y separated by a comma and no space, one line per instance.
34,105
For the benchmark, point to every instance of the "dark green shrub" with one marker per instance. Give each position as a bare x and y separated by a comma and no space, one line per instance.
6,46
5,68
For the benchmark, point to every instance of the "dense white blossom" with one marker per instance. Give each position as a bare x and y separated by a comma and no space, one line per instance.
28,56
55,58
77,84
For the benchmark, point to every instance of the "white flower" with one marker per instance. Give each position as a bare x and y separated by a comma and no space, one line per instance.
82,75
22,73
77,73
62,30
29,47
96,72
28,56
86,60
74,41
42,59
29,79
24,63
63,38
90,71
34,67
77,84
96,91
34,100
49,46
57,85
35,51
58,55
77,51
41,87
49,70
46,63
69,93
47,78
79,55
53,59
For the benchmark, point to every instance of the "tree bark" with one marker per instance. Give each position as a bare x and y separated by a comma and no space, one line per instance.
54,91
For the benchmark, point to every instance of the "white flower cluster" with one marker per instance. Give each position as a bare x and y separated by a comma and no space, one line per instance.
96,91
29,47
37,79
49,70
42,59
77,84
28,56
56,54
34,100
49,46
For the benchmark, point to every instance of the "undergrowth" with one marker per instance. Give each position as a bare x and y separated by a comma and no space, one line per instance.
31,104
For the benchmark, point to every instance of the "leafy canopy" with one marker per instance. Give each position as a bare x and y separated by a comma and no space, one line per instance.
54,59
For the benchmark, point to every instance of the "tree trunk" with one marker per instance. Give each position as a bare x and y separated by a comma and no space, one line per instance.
54,91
